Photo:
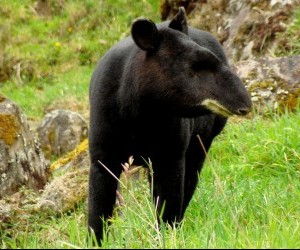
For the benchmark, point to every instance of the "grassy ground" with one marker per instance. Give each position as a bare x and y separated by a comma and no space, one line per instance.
248,195
48,60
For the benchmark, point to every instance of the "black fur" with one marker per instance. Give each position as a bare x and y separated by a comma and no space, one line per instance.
147,100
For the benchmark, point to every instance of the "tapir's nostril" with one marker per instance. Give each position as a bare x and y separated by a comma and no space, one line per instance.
243,111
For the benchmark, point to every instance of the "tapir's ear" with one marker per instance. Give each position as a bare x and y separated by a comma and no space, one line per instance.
145,34
179,21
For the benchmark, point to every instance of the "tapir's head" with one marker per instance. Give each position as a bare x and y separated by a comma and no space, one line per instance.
180,74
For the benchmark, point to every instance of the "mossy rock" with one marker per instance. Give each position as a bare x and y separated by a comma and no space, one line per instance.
22,162
247,29
9,128
274,83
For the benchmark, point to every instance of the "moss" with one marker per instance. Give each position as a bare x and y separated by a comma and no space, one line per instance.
261,85
252,74
83,146
9,128
277,91
290,101
2,98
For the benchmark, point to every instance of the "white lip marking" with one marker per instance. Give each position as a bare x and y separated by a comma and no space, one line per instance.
216,107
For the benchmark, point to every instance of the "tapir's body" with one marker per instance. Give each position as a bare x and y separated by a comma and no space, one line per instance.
150,96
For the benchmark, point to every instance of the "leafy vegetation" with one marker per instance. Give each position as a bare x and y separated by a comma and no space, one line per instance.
249,189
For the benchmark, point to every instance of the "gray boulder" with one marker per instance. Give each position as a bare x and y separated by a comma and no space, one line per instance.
274,83
21,160
61,131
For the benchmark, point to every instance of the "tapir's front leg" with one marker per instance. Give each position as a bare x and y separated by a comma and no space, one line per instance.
169,189
102,196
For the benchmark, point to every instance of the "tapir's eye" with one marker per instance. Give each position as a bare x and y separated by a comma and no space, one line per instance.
203,66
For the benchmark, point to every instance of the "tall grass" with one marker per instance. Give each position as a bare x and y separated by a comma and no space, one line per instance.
248,197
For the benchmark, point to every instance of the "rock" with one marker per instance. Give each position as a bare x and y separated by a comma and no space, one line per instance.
5,212
61,131
21,160
62,193
274,83
247,29
169,8
255,29
65,191
77,158
69,188
15,206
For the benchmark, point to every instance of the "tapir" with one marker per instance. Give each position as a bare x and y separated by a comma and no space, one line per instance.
153,95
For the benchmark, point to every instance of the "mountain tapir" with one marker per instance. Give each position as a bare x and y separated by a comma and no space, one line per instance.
152,96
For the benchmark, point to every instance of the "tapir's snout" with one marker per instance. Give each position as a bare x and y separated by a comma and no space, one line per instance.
237,100
230,96
243,111
245,102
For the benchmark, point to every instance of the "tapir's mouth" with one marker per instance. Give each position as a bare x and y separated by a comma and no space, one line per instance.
216,107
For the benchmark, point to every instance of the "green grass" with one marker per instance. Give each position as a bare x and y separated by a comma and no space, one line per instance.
249,192
35,98
253,178
248,197
57,54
